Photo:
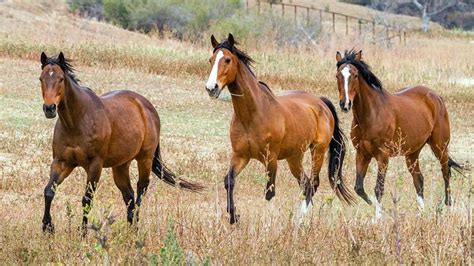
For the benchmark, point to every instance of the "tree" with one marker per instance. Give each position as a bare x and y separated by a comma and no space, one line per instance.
430,8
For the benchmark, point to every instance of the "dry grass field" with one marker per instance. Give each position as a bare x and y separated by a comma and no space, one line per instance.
179,227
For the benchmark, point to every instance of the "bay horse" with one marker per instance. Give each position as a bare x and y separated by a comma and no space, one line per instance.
269,128
385,125
95,132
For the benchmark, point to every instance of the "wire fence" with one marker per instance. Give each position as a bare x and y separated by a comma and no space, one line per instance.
307,13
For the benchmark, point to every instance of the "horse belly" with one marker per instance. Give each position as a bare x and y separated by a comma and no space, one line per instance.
124,146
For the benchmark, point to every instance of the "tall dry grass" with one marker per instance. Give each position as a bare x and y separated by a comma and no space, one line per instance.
178,227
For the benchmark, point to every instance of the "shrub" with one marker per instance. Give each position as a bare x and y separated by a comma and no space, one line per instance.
171,253
87,8
118,11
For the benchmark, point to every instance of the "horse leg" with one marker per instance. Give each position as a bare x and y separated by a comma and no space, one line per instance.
317,159
362,163
236,166
440,149
93,174
297,170
382,162
144,171
295,164
414,168
271,166
59,171
122,181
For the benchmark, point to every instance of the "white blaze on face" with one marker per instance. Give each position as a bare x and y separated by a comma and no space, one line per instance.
346,73
212,81
51,73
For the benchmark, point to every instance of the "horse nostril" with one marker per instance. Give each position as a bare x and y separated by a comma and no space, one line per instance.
216,87
49,108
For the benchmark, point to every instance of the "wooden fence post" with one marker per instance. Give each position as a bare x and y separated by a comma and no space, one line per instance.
295,17
360,27
258,6
321,16
347,25
307,16
334,22
373,28
283,10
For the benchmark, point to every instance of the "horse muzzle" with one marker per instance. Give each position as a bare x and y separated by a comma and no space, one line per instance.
213,91
345,107
50,110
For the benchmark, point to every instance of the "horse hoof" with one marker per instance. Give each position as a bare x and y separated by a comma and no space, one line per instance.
368,201
234,219
48,228
83,230
363,195
269,195
448,202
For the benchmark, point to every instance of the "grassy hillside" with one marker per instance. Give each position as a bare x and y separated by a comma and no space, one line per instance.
196,145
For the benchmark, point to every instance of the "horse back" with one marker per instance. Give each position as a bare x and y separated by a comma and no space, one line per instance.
419,111
419,97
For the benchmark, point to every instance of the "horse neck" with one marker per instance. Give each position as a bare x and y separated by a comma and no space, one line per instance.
248,98
72,107
368,103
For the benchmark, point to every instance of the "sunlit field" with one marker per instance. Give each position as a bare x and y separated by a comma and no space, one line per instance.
178,227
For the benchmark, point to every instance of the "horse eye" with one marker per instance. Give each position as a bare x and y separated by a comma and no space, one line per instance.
227,60
61,79
210,60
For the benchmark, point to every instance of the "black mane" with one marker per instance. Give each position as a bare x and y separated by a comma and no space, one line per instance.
65,66
245,58
363,68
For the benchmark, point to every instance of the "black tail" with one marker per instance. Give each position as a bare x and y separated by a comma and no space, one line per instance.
165,174
337,151
455,166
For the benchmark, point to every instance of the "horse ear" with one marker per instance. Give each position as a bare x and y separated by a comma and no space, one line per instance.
61,57
231,39
214,42
44,58
358,56
338,56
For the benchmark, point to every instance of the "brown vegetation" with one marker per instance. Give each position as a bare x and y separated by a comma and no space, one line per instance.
195,144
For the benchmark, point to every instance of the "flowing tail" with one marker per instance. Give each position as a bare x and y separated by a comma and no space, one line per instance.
337,151
455,166
165,174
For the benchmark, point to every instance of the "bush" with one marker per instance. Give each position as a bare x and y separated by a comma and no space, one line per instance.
117,12
195,20
171,253
87,8
181,17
